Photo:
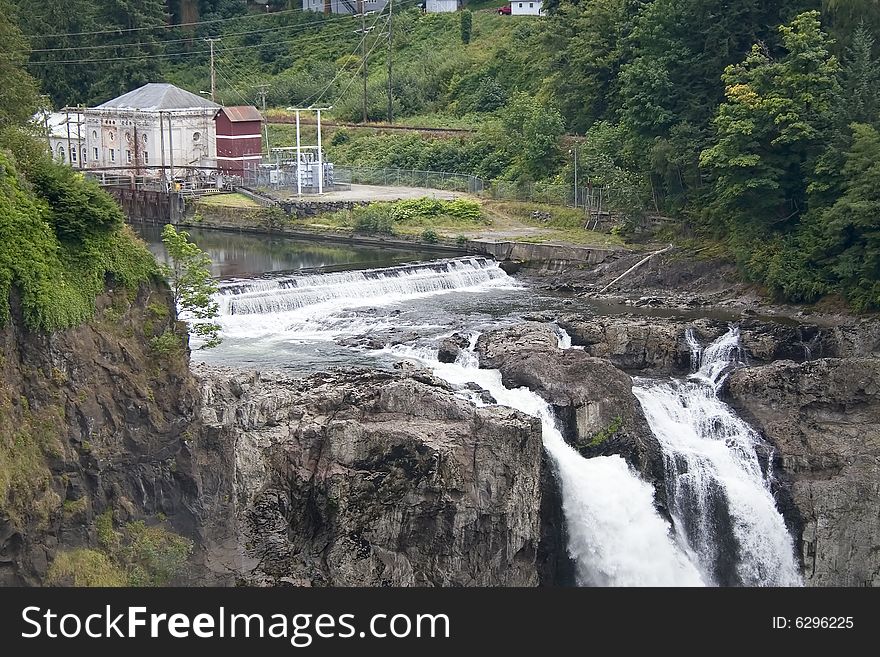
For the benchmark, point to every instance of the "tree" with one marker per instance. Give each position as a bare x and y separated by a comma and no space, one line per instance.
192,284
770,130
851,226
466,26
860,98
525,137
18,90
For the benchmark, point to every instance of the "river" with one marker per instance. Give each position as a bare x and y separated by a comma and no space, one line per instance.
303,306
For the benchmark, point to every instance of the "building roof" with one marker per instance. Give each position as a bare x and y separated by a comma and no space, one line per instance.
56,122
159,96
242,113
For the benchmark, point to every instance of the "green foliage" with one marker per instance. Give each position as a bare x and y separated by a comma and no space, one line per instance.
152,556
601,436
523,143
192,286
849,227
84,567
429,236
770,128
18,92
133,555
133,64
166,344
466,26
27,437
383,217
373,218
58,262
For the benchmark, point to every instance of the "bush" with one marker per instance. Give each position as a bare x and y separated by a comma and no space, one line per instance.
84,567
461,240
374,218
166,344
429,236
466,26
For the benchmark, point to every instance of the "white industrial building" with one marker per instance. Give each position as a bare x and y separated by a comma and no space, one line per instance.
155,127
518,8
66,135
442,6
344,6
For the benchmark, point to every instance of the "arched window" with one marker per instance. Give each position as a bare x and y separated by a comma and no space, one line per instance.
94,134
73,153
61,152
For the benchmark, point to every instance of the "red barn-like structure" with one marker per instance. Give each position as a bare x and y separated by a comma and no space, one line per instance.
239,139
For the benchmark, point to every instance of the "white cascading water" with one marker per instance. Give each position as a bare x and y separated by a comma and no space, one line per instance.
719,496
615,535
323,307
284,294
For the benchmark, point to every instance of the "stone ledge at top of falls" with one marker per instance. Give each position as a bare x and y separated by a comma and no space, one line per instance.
369,478
593,400
656,346
823,417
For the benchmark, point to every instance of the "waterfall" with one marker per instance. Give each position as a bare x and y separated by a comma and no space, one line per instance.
719,496
310,308
615,535
370,286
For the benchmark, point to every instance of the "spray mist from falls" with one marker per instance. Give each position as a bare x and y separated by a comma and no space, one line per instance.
615,535
719,495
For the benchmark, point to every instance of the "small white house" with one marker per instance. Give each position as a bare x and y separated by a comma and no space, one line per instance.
442,6
518,8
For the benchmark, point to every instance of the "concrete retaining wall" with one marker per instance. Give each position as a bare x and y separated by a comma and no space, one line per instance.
547,255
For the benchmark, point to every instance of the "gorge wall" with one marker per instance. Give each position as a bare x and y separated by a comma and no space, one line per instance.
370,477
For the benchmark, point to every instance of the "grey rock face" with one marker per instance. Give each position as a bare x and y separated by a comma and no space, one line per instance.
378,479
656,346
824,419
593,400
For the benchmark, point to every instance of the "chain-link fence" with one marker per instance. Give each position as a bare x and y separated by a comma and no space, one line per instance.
390,177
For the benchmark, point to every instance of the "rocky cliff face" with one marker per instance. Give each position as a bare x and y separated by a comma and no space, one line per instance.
93,420
375,478
656,346
824,419
593,400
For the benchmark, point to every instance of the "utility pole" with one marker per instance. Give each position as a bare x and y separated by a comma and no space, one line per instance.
211,40
263,89
363,31
390,42
67,122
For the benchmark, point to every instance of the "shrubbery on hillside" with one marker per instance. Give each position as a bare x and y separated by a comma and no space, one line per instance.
63,237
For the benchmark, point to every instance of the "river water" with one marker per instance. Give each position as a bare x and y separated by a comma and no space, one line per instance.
304,306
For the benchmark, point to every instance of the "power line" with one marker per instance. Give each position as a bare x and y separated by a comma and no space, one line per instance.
303,39
159,27
354,77
292,28
314,100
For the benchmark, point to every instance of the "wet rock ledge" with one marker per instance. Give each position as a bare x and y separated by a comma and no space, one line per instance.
372,478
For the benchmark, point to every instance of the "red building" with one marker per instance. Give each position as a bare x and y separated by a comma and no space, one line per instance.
239,138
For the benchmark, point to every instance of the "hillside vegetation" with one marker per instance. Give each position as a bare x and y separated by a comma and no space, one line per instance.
753,123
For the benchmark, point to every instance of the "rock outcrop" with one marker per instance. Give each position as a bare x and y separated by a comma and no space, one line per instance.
823,417
593,400
93,420
656,346
373,478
